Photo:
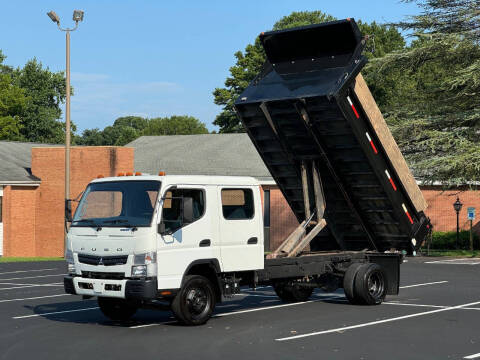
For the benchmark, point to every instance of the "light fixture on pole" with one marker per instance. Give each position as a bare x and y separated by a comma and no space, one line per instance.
77,17
457,205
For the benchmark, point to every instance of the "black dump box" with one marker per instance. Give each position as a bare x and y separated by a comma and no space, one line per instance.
309,110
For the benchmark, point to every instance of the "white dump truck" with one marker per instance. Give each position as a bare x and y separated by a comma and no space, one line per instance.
186,242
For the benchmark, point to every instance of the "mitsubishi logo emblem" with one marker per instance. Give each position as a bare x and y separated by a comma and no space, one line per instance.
100,262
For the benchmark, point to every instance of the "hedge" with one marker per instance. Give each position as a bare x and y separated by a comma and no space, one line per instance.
446,240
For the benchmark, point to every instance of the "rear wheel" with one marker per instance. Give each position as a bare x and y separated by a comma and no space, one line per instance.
370,284
116,309
289,292
349,283
195,302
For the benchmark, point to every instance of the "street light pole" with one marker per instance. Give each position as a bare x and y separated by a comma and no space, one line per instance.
77,17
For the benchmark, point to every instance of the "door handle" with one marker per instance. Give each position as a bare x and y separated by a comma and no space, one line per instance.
252,241
205,243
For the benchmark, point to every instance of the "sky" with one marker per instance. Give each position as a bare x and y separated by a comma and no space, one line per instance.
155,58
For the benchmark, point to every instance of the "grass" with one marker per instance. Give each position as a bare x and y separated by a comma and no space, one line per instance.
452,253
28,259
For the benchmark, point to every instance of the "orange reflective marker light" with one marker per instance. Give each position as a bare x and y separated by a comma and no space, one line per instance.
121,174
99,176
161,173
138,173
129,173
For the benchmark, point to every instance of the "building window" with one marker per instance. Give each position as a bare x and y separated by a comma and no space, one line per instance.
237,204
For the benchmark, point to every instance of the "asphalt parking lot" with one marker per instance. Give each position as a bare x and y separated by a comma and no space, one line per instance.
435,316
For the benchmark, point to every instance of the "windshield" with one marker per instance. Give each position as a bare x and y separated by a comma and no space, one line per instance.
117,204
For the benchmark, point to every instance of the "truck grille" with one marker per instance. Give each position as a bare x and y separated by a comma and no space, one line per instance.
103,275
102,260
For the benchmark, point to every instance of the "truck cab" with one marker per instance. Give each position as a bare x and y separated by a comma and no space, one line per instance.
137,239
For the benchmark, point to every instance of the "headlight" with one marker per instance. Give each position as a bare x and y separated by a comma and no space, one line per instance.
70,261
139,271
145,259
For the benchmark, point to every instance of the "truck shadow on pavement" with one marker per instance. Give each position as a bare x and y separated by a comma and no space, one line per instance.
87,311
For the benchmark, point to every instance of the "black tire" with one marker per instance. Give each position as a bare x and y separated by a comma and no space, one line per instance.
290,293
116,309
349,283
195,302
370,284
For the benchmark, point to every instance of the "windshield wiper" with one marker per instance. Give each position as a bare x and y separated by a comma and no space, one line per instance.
89,221
120,221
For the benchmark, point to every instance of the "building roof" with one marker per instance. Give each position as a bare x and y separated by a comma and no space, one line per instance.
15,162
205,154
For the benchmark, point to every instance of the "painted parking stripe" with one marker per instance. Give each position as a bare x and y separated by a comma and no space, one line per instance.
29,286
455,262
371,323
474,356
153,324
425,305
53,313
49,284
33,298
32,277
24,271
424,284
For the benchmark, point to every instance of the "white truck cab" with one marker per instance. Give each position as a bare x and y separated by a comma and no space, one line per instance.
136,239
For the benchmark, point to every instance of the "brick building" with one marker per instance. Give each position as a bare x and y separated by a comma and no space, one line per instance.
32,184
32,191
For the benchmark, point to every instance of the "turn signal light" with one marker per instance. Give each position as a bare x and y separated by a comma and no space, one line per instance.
138,173
161,173
129,173
165,293
99,176
121,174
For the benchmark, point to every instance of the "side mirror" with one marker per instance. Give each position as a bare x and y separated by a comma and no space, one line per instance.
161,228
187,210
68,210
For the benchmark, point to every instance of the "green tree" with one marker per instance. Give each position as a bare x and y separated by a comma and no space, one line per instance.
45,92
250,61
12,103
435,115
175,125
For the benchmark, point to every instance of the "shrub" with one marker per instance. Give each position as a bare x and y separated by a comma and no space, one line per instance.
446,240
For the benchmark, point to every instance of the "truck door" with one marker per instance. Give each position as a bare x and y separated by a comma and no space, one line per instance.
182,243
240,225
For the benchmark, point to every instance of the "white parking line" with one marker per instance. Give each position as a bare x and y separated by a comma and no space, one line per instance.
330,297
33,298
153,324
29,286
345,328
424,284
49,284
474,356
466,261
425,305
24,271
53,313
32,277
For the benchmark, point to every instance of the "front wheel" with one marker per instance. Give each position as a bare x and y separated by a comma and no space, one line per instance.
116,309
195,302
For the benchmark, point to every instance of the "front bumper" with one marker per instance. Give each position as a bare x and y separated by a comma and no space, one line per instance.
141,289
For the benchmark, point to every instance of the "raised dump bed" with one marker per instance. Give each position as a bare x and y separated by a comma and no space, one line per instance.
310,112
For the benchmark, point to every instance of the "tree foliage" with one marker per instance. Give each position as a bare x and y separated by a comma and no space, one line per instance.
433,91
30,103
126,129
250,61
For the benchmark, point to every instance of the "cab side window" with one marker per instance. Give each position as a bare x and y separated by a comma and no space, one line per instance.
172,212
237,204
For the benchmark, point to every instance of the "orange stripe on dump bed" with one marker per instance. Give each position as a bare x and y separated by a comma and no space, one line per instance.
391,180
371,143
406,212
